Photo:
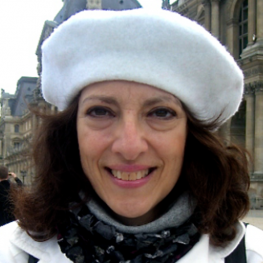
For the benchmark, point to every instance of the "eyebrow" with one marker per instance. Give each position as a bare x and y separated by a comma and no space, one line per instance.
149,102
102,98
154,101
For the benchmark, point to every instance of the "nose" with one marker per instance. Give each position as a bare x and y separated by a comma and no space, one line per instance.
130,140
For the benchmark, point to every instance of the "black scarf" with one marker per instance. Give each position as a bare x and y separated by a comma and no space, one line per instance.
85,239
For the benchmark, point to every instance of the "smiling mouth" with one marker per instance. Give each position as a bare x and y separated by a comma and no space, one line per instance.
131,176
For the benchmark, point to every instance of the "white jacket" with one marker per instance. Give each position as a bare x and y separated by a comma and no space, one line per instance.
15,245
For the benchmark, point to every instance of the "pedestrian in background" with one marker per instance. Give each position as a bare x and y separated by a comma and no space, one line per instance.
6,207
14,179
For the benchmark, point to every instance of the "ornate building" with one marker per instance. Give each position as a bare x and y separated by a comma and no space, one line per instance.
16,128
238,24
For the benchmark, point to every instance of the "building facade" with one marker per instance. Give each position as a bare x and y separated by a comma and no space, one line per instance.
238,25
16,127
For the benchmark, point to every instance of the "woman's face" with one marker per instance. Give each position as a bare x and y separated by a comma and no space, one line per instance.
131,139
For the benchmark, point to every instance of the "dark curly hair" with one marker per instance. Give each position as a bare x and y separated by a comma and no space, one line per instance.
216,175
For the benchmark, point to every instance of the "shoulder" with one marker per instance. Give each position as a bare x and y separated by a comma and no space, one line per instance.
7,230
16,245
254,244
4,184
8,252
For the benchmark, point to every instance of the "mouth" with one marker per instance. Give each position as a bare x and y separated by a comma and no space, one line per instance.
130,176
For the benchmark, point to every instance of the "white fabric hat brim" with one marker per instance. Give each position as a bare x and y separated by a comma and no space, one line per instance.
159,48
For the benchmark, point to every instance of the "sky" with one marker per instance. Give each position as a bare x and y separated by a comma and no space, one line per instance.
21,23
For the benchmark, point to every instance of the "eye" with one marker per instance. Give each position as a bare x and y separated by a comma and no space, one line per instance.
99,112
162,113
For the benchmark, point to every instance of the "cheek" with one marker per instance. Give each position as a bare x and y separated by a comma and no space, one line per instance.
170,145
91,144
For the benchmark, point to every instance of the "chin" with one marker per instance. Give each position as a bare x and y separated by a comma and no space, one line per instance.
133,216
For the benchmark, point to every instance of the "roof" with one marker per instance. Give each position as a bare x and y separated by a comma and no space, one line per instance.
27,79
72,7
120,4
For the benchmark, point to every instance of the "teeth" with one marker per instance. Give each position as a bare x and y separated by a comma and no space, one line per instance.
118,174
139,175
125,176
130,176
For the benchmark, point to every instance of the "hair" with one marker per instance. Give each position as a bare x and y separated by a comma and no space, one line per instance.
3,172
216,175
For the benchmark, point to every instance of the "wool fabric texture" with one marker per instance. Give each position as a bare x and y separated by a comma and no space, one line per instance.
84,237
156,47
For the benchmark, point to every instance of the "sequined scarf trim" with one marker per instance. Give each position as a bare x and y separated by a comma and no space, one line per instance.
84,238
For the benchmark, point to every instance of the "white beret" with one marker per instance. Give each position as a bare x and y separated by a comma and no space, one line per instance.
155,47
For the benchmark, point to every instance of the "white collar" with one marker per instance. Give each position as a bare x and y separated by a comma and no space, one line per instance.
49,251
223,252
46,251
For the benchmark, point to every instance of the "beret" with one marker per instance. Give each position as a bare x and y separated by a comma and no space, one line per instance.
155,47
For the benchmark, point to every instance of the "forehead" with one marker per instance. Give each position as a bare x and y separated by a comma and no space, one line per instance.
121,89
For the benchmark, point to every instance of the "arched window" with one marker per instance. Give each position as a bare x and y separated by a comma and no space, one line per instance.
243,26
16,143
16,128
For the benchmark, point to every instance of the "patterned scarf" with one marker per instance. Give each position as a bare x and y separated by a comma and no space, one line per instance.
84,238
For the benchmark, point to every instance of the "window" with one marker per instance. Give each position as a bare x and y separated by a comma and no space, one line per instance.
16,145
16,128
238,126
243,26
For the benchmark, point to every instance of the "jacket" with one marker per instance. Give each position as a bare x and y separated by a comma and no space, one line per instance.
15,245
5,204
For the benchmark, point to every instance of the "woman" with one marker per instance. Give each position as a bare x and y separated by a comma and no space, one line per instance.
131,170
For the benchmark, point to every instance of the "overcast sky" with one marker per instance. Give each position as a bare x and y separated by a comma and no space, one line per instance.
21,23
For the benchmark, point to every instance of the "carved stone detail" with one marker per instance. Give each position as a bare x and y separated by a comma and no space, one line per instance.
94,4
253,71
249,88
254,87
259,86
182,9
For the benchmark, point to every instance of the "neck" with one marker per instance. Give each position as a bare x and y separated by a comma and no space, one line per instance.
138,221
174,215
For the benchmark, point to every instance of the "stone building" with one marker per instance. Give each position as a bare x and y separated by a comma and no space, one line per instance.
16,128
238,24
